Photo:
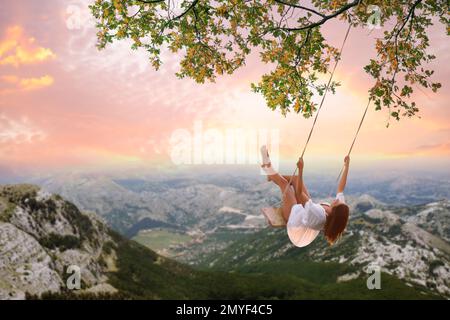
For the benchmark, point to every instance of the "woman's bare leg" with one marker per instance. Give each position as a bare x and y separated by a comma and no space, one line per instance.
288,195
301,197
287,192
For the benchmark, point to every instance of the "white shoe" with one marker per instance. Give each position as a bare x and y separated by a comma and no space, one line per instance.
265,155
266,166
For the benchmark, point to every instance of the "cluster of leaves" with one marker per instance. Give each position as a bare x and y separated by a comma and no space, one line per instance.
402,53
215,37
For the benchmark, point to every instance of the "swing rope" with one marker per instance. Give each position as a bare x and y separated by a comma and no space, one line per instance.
359,127
320,107
353,142
326,90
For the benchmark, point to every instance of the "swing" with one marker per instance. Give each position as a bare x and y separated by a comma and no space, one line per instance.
274,215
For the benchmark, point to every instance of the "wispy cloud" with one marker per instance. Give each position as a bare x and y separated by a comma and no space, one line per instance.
18,131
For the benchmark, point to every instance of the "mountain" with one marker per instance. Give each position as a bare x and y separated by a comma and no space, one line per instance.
409,243
193,218
41,234
402,188
203,201
195,203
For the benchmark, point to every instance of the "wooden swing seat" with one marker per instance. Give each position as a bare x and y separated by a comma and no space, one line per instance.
274,216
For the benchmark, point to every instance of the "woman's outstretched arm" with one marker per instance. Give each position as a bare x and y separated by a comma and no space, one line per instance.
299,186
343,180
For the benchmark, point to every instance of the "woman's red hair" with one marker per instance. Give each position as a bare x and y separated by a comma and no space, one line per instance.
336,222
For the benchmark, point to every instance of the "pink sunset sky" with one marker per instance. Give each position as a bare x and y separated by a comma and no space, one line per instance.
64,104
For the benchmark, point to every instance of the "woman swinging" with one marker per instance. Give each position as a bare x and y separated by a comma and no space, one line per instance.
305,219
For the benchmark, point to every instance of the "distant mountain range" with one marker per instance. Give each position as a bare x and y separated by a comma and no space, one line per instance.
199,201
41,234
194,203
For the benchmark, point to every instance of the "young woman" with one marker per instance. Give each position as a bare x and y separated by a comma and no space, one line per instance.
305,219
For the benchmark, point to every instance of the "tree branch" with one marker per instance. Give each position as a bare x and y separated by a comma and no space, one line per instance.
192,5
410,13
150,1
299,51
325,18
300,7
408,17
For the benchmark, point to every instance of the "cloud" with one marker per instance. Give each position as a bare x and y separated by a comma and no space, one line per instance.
18,131
16,49
36,83
26,84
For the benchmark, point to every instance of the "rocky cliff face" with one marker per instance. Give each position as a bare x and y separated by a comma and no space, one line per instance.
41,235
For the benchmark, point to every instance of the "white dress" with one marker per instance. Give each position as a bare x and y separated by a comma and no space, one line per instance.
306,222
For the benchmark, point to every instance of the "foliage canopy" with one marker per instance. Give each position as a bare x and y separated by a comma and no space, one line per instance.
215,38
